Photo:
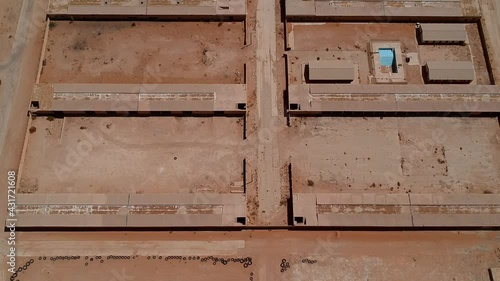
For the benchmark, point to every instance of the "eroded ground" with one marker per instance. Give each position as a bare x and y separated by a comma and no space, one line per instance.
145,52
133,155
418,155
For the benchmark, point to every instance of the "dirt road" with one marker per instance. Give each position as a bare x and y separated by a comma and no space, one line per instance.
14,98
267,93
321,255
11,65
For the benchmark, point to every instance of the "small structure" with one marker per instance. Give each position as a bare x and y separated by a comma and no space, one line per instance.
495,274
442,33
386,62
330,70
449,72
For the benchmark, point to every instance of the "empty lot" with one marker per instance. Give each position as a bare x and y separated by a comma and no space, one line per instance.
418,155
132,154
144,52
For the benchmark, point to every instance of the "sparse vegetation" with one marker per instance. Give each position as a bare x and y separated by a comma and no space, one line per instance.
79,46
52,25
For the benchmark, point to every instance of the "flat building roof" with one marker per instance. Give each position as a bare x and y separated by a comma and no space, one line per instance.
130,210
400,210
145,8
442,32
450,71
325,70
372,9
318,98
229,98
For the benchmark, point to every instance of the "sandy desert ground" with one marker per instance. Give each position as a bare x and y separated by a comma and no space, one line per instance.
145,52
394,155
464,256
133,155
189,155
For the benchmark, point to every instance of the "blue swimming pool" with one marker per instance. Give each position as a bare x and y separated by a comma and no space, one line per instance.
388,58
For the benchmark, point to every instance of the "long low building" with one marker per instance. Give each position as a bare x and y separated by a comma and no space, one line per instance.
442,33
372,9
335,98
396,210
330,70
130,210
450,71
175,9
229,99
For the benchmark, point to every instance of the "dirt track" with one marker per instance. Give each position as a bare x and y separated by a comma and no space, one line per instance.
334,255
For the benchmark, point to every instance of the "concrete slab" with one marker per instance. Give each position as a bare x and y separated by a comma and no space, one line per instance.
351,210
174,220
186,199
106,10
365,220
396,210
300,8
72,199
455,199
362,199
165,8
312,98
456,220
71,220
74,98
370,9
142,210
